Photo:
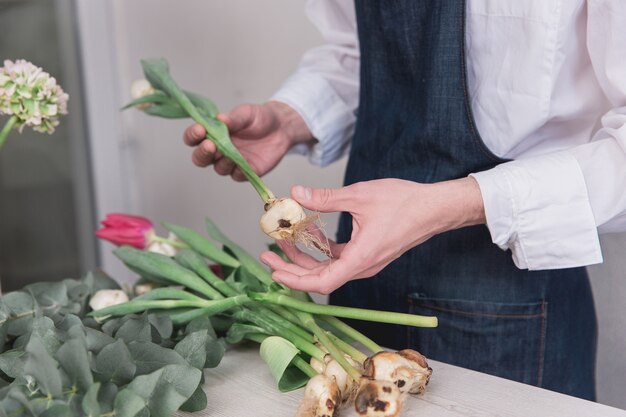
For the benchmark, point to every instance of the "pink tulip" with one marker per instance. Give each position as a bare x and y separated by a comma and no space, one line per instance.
124,229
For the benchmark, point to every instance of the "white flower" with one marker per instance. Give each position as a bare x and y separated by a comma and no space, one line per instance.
141,88
164,247
107,298
32,95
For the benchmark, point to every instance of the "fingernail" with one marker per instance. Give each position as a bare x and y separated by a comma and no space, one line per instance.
302,193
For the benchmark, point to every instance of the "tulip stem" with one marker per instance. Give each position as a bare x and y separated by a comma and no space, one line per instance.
4,134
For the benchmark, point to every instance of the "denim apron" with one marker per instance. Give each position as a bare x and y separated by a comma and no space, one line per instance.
415,123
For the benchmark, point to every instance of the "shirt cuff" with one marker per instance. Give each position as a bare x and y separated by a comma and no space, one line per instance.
539,209
326,115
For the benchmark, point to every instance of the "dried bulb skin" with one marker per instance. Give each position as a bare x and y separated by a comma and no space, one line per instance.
281,218
321,398
407,369
378,399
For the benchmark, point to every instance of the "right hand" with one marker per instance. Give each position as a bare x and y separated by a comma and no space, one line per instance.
262,133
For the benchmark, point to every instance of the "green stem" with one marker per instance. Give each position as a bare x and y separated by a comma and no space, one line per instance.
334,351
347,312
4,134
209,306
216,130
352,333
301,343
356,354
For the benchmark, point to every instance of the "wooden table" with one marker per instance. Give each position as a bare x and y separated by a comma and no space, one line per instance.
241,386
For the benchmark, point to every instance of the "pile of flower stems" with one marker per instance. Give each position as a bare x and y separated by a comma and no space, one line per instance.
257,308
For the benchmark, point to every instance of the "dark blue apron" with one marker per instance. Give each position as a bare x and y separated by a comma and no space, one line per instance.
415,123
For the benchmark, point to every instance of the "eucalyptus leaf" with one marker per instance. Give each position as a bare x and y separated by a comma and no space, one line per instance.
40,365
148,357
193,348
114,363
166,389
215,350
197,401
201,323
72,357
96,340
135,329
90,405
128,404
162,324
48,294
12,363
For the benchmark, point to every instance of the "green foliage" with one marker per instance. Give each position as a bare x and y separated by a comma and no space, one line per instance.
56,361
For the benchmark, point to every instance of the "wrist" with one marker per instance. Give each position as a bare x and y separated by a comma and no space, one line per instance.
291,123
462,204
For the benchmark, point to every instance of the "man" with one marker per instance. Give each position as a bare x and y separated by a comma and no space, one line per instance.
448,94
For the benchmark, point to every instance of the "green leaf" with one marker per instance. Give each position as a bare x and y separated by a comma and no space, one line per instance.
167,111
128,404
148,357
12,363
238,332
203,104
114,362
166,389
89,403
57,410
202,245
162,324
72,357
250,263
163,267
167,293
42,367
193,348
96,340
201,323
43,328
197,401
48,294
135,329
278,354
106,396
214,353
157,97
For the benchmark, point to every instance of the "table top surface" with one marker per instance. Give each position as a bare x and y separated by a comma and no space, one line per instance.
243,386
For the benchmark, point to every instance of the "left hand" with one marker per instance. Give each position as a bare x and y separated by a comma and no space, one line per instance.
389,217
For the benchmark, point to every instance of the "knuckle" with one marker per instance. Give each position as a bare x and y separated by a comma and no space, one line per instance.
325,196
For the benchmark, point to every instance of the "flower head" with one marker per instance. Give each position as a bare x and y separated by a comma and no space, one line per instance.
31,95
124,229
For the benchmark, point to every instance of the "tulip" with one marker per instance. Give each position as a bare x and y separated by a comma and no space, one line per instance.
124,229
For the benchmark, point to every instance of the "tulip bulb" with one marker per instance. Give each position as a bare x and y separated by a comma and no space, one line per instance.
407,369
378,399
321,398
285,219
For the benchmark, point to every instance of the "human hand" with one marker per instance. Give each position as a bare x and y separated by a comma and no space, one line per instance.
262,133
389,217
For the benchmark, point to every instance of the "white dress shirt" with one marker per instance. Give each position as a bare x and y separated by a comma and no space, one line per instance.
547,81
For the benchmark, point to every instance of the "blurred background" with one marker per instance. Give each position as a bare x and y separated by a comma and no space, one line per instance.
54,190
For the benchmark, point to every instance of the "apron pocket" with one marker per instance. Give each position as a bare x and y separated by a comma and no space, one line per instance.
505,340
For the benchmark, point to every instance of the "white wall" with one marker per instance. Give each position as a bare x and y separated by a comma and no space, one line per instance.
237,51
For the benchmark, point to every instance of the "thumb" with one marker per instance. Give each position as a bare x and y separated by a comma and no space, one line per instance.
324,199
238,118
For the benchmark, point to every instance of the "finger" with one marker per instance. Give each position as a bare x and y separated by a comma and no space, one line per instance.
224,166
329,279
194,134
325,199
297,256
238,175
238,118
204,154
277,263
334,247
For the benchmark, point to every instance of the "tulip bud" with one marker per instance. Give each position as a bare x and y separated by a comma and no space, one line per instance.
124,229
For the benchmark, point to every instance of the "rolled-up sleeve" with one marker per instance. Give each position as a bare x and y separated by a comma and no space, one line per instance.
548,210
324,89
